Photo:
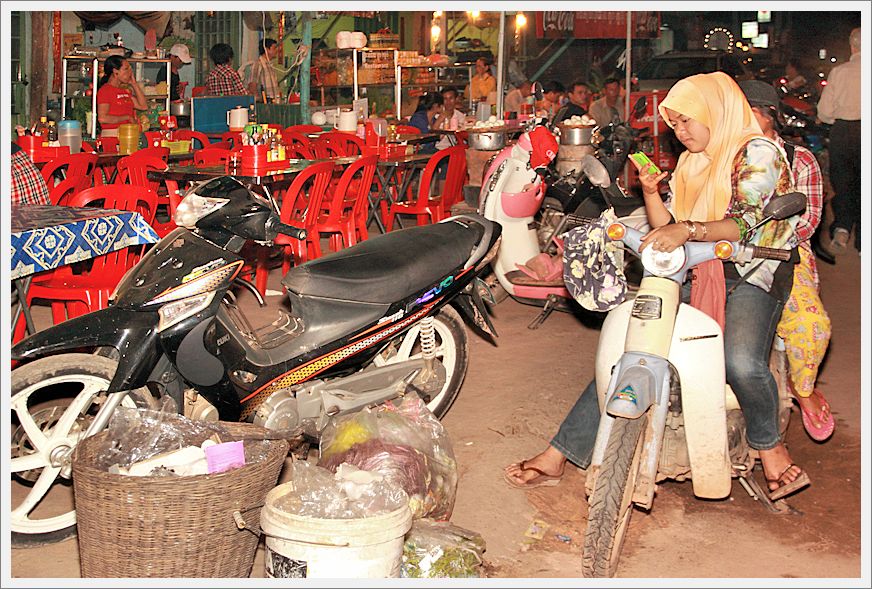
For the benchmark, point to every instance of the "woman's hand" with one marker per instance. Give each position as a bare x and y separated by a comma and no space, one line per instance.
666,238
649,181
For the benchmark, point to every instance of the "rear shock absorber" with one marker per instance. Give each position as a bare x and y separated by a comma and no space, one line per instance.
428,349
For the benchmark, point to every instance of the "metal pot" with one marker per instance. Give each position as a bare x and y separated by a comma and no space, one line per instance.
574,135
487,140
180,108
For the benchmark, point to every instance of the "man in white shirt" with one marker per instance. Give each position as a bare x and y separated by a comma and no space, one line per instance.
840,106
451,117
609,108
518,96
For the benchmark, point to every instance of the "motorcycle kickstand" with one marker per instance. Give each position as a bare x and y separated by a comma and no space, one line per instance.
550,305
752,487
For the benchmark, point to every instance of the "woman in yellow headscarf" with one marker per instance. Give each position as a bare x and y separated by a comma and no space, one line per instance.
720,186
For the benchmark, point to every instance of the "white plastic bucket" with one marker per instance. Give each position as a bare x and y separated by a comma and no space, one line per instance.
299,546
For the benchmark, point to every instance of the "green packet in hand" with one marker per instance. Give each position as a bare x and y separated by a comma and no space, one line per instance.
645,163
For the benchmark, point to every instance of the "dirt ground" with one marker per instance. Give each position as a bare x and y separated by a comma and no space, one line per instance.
515,394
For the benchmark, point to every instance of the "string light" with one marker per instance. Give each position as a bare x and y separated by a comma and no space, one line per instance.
716,33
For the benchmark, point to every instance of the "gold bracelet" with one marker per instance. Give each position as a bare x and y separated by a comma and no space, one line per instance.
691,230
704,231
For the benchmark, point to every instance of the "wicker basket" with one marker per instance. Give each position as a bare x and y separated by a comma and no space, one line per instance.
171,526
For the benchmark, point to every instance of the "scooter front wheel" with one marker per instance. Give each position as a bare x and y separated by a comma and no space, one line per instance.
610,504
452,350
54,401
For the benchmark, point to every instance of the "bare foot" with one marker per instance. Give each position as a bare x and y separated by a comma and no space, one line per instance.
778,468
818,412
550,462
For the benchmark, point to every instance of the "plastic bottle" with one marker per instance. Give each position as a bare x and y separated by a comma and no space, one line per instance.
52,133
41,130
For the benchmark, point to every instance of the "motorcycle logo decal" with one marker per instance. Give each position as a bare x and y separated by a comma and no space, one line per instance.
208,281
391,318
307,371
647,307
627,394
200,270
435,290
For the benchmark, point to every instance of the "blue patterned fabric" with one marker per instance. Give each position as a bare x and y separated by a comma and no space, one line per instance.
45,237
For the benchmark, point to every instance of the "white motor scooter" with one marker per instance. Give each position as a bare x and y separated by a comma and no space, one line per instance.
666,411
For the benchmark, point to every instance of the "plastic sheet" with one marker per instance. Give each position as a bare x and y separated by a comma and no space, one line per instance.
139,434
441,550
350,493
404,442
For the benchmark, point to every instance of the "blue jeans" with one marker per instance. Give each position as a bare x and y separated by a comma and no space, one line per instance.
751,317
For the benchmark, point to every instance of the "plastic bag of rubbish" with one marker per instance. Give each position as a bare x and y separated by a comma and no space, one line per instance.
441,550
137,435
404,442
349,493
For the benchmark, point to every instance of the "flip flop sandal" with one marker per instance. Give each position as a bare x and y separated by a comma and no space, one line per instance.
542,480
825,430
786,488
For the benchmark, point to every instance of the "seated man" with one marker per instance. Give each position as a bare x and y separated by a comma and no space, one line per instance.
579,102
552,92
28,186
518,97
223,80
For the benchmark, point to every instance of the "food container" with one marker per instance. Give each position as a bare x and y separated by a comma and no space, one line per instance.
70,134
128,138
486,140
180,108
573,135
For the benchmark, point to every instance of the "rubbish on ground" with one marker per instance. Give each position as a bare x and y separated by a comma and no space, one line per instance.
563,538
441,550
537,529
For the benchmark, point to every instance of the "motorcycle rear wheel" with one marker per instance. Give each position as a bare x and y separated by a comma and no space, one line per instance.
610,504
54,400
452,349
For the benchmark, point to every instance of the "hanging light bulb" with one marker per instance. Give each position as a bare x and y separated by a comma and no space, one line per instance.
475,14
435,32
437,14
520,20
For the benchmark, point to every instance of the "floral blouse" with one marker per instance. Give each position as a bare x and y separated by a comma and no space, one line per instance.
760,171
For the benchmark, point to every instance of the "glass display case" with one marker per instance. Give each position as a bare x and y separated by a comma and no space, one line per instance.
343,75
79,84
414,77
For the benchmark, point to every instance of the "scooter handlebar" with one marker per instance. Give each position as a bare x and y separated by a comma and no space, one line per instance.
277,227
771,253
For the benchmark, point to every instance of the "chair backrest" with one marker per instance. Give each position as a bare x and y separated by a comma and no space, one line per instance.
88,147
126,198
304,129
324,149
75,165
408,130
232,137
149,152
298,142
351,144
454,178
134,170
198,136
211,156
353,195
312,182
198,91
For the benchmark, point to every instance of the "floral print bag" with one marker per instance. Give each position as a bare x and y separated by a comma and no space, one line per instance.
593,265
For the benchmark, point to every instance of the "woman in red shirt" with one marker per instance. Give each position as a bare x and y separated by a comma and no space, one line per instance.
119,96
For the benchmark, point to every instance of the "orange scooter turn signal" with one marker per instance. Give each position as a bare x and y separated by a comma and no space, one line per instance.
615,231
723,250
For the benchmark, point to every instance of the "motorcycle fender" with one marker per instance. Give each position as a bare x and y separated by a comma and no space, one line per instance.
697,353
472,305
133,334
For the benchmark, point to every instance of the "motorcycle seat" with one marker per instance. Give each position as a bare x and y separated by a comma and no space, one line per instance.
387,268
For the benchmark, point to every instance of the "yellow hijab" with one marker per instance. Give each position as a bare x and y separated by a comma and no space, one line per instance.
702,182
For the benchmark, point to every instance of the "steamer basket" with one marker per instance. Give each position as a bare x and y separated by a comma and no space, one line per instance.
171,526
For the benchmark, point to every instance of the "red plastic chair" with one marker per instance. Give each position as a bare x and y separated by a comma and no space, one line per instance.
134,169
428,207
71,295
198,91
408,130
299,143
304,129
324,149
351,144
194,136
305,194
231,137
159,152
88,147
69,174
109,144
347,209
211,156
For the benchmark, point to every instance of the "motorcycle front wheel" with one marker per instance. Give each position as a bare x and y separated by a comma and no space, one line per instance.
610,505
54,401
452,350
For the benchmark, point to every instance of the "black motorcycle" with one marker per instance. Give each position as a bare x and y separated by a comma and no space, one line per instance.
365,325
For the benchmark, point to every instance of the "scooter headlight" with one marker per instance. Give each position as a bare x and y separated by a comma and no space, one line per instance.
194,207
663,263
179,310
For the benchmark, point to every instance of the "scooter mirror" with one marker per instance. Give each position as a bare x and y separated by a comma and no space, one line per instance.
639,107
538,91
785,205
595,171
